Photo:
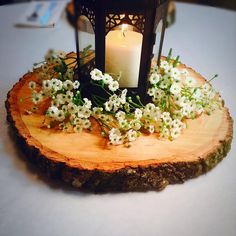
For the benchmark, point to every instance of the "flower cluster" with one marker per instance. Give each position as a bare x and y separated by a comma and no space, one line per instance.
105,79
67,108
174,90
176,96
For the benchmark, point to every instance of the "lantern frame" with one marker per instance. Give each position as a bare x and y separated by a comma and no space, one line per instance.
105,15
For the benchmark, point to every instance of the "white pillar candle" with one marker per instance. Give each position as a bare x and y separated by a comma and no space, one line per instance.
123,54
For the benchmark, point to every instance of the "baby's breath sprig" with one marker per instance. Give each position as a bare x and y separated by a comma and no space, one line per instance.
176,97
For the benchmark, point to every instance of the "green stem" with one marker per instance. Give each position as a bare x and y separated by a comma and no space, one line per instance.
97,101
37,63
101,87
135,105
215,76
176,61
139,100
169,55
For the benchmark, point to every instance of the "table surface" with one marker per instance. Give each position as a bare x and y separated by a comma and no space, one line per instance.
32,205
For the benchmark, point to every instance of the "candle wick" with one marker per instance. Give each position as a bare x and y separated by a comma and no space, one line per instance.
123,29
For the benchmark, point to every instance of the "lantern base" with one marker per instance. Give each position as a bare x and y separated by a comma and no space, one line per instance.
86,161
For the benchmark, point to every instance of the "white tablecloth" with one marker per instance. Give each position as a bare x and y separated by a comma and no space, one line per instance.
32,205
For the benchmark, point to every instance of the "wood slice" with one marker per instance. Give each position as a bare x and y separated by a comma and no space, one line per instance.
87,162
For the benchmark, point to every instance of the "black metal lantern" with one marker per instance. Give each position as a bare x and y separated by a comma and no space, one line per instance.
106,15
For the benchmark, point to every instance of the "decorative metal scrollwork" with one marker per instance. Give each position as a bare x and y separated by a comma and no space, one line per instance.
89,13
114,20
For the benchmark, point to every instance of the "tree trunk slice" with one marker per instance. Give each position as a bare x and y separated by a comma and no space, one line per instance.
84,160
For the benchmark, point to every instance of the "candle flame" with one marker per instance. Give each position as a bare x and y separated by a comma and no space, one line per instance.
124,28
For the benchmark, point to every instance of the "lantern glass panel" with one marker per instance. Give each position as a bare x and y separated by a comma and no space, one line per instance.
123,54
85,33
158,38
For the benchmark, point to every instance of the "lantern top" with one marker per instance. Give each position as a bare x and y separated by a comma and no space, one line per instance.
108,5
107,15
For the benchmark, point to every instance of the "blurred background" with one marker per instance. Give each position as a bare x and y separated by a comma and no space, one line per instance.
228,4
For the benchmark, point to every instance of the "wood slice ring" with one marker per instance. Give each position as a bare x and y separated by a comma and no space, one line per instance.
85,161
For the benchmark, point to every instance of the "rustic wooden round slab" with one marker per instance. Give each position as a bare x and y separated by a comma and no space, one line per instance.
86,161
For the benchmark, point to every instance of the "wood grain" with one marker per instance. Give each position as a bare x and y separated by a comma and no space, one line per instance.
85,161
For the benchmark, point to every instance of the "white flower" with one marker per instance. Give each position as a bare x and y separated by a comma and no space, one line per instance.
69,96
151,91
210,94
154,78
32,85
177,124
167,70
36,98
199,109
189,81
56,84
151,112
165,82
78,128
175,74
55,103
68,85
180,100
165,133
131,135
113,86
86,123
197,94
96,74
138,113
61,53
97,110
61,98
115,136
113,98
175,132
164,65
159,93
52,111
120,115
64,108
150,107
155,69
187,109
87,103
45,67
116,105
60,116
166,117
123,96
151,129
124,124
76,84
108,106
72,108
135,124
175,89
107,79
105,118
46,85
83,112
206,87
185,72
56,61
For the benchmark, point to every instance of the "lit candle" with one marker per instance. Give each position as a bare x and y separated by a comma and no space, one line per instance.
123,54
